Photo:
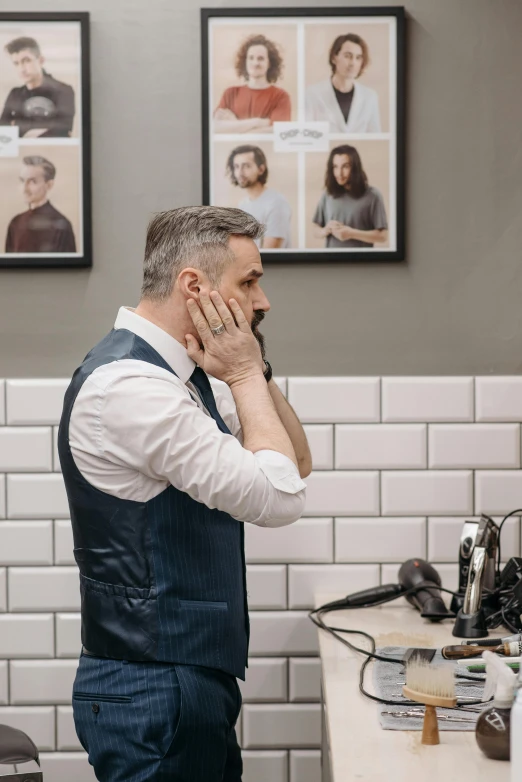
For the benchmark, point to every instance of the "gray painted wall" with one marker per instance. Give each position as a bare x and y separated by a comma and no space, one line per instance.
452,308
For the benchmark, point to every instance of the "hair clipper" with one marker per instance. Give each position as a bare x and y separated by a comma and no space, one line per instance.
471,618
468,539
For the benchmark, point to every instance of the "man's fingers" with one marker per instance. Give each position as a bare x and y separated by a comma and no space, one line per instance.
239,315
199,320
210,312
223,312
193,349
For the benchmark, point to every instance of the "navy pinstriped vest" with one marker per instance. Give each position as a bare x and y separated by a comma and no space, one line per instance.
160,580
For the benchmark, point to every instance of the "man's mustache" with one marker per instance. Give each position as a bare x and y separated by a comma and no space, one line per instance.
257,318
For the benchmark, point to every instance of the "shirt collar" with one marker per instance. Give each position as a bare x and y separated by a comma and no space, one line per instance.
169,348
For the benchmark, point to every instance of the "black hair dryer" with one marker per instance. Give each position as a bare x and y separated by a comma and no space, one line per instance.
427,599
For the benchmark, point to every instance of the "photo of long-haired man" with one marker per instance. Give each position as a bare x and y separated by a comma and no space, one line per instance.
253,78
261,182
350,209
347,76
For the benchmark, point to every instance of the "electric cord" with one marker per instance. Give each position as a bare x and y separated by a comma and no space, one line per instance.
511,513
507,622
371,655
337,605
346,606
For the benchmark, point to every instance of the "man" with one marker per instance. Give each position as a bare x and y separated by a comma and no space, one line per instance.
248,170
42,228
348,105
43,107
160,476
255,104
350,212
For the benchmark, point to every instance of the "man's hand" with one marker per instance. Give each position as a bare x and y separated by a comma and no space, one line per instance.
34,132
328,228
224,114
340,231
233,356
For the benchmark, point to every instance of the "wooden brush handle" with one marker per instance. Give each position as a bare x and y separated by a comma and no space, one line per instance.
461,652
430,727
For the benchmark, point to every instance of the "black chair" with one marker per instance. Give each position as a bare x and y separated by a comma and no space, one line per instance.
17,747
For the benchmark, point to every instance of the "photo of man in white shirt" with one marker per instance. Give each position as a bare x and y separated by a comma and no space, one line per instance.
248,169
342,101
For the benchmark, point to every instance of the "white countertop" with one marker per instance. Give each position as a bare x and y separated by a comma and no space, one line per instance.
359,748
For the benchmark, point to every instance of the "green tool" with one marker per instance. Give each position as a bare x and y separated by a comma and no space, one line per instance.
479,668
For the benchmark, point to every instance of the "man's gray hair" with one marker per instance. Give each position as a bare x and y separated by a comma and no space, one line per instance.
49,170
195,236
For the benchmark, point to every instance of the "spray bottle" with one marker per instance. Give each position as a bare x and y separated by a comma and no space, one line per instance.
494,724
516,734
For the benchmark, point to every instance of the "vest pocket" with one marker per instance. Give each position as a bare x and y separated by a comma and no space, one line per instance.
219,605
118,621
95,696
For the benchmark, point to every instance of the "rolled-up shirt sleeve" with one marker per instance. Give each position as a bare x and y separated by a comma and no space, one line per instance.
151,425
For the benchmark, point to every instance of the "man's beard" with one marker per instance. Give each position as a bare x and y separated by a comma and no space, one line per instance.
256,320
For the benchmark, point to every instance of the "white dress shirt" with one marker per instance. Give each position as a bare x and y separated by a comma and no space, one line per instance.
136,428
322,105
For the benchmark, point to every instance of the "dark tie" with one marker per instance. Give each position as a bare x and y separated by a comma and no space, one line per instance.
201,382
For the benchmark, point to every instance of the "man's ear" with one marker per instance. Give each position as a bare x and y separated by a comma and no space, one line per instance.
50,184
190,283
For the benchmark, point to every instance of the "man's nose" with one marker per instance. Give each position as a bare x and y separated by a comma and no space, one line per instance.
262,302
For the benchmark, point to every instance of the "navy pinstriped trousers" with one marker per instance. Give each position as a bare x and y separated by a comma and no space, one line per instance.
153,722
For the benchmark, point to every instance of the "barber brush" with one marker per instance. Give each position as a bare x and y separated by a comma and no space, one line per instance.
433,686
513,649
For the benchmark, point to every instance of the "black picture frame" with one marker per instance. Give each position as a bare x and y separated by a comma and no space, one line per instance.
73,150
213,144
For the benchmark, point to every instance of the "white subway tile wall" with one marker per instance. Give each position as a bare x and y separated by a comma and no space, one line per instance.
498,399
399,463
305,679
325,400
380,447
267,680
2,497
26,542
37,721
36,496
66,738
25,449
3,589
68,632
427,399
4,690
266,586
2,402
321,441
30,402
305,765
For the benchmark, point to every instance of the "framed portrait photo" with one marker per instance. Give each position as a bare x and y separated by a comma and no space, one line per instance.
45,151
303,128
